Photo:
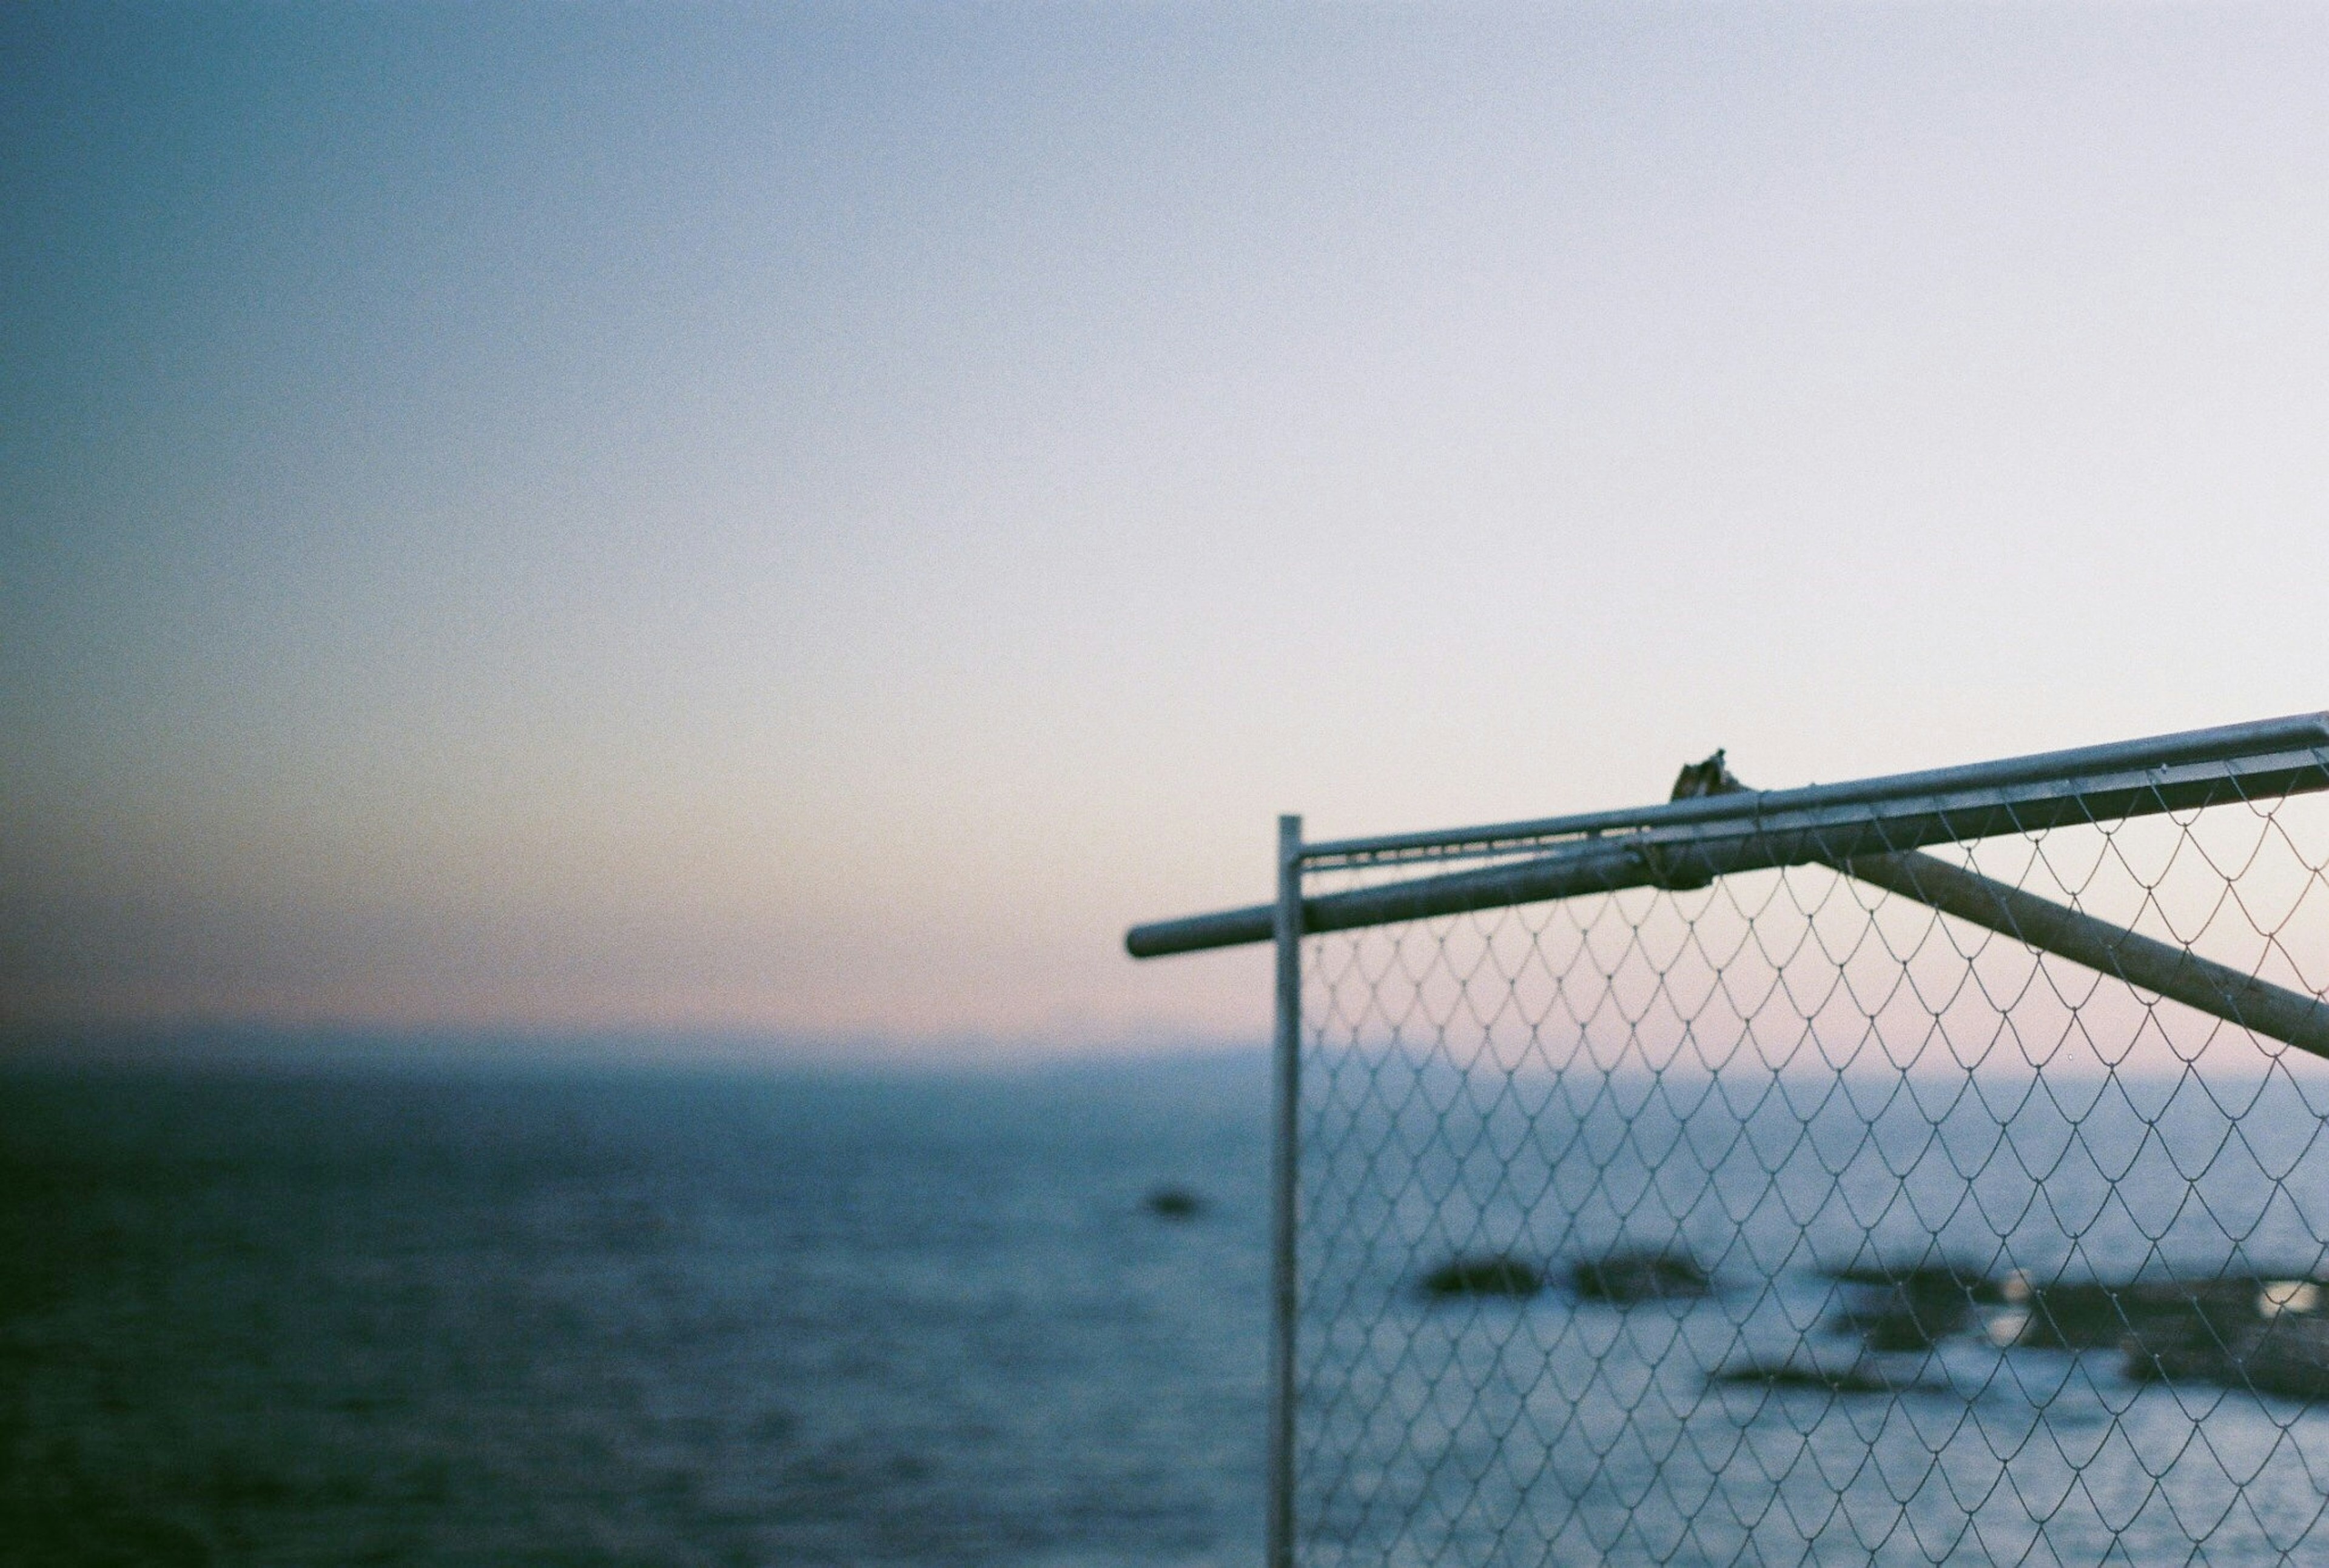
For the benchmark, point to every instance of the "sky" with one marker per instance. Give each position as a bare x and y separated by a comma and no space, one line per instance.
802,523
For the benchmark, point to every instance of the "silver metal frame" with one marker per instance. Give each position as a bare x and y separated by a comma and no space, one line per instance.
1689,843
2016,775
1285,1217
1869,830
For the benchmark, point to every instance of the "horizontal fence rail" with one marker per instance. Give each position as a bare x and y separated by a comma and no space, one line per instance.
2262,737
1688,843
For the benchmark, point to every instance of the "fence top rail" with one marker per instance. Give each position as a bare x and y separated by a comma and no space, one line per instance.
2296,732
1707,836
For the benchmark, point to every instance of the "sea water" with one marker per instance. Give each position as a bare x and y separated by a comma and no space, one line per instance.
649,1317
682,1317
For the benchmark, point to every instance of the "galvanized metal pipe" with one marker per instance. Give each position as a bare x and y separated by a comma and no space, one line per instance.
1692,854
2257,1005
2296,732
1284,1215
1874,837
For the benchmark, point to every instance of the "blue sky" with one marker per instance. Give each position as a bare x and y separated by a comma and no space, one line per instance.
808,522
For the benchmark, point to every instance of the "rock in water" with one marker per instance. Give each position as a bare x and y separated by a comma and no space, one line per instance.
1861,1376
2168,1327
2072,1315
1911,1307
1625,1278
2239,1332
1491,1274
2286,1355
1174,1203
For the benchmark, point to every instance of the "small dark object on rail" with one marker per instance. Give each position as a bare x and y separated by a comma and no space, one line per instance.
1497,1274
1711,777
1174,1203
1629,1277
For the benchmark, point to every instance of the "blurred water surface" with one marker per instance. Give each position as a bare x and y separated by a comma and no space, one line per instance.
630,1317
654,1316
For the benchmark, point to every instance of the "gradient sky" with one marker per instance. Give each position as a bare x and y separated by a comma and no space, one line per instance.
809,521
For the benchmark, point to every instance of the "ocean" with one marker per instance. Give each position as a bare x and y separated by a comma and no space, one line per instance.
669,1316
630,1317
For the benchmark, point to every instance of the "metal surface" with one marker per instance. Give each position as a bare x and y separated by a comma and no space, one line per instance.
1285,1196
2296,732
2257,1005
2175,973
1690,843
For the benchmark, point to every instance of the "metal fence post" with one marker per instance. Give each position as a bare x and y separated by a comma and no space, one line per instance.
1284,1173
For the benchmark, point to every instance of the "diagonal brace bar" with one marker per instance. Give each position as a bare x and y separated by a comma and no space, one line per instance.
2178,973
2175,973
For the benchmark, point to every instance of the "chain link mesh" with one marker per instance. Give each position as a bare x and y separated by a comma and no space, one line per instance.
1786,1221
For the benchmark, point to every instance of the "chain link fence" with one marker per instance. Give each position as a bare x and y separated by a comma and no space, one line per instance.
1925,1171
